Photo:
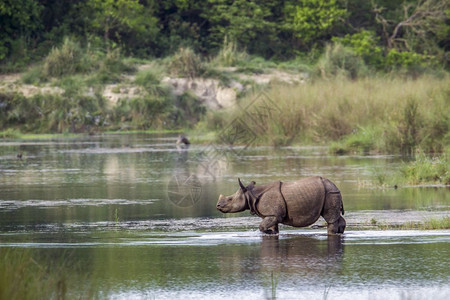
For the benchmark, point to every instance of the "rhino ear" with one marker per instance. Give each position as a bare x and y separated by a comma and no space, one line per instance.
241,185
251,185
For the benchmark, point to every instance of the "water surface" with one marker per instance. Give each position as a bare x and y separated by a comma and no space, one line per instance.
137,216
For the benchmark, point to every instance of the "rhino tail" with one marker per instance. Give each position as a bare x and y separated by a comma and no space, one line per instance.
342,207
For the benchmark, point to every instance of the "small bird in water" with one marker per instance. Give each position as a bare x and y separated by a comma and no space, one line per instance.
19,155
183,140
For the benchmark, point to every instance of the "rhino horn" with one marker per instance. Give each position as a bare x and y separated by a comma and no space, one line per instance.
241,185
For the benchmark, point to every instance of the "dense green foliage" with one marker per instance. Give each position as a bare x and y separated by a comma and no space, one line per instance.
383,33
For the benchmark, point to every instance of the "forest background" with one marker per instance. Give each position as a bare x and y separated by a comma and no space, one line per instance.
384,33
374,74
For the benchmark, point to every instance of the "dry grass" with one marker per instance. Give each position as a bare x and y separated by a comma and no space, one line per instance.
397,110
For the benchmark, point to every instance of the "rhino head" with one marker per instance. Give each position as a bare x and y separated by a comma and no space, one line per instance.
236,202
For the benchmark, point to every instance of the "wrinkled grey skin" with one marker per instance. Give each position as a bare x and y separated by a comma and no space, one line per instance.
299,203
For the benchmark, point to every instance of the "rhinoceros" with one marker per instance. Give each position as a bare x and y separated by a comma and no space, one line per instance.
298,203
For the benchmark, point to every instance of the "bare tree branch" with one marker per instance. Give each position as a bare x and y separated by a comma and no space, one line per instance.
421,18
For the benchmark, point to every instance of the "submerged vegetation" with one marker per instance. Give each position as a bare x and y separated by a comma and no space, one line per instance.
24,276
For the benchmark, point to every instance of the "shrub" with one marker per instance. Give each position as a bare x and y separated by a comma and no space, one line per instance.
186,63
427,169
371,114
149,77
112,66
405,59
66,59
34,75
229,55
365,45
142,113
53,113
10,133
363,140
338,60
188,110
71,114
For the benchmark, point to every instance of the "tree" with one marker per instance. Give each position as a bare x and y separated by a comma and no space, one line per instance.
18,19
252,24
120,19
417,27
312,20
182,25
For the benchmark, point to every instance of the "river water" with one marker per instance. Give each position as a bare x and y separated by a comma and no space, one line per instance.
135,217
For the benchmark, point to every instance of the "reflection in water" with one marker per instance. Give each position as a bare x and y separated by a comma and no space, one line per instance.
184,188
300,251
304,256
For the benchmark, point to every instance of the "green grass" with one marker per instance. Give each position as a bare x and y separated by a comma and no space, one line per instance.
425,170
361,141
443,223
149,131
369,115
186,63
151,76
16,134
10,133
229,55
428,224
352,114
340,61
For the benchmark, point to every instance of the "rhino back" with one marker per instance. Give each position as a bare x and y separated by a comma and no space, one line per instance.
304,201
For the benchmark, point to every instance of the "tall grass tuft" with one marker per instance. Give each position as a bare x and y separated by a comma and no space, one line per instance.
142,113
70,59
112,66
150,77
53,113
434,224
10,133
340,61
362,140
66,59
378,114
427,169
409,125
229,55
22,277
186,63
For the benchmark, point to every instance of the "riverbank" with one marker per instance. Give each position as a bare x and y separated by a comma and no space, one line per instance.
75,90
368,115
243,102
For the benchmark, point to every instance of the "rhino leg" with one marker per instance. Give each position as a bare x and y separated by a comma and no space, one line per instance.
269,225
